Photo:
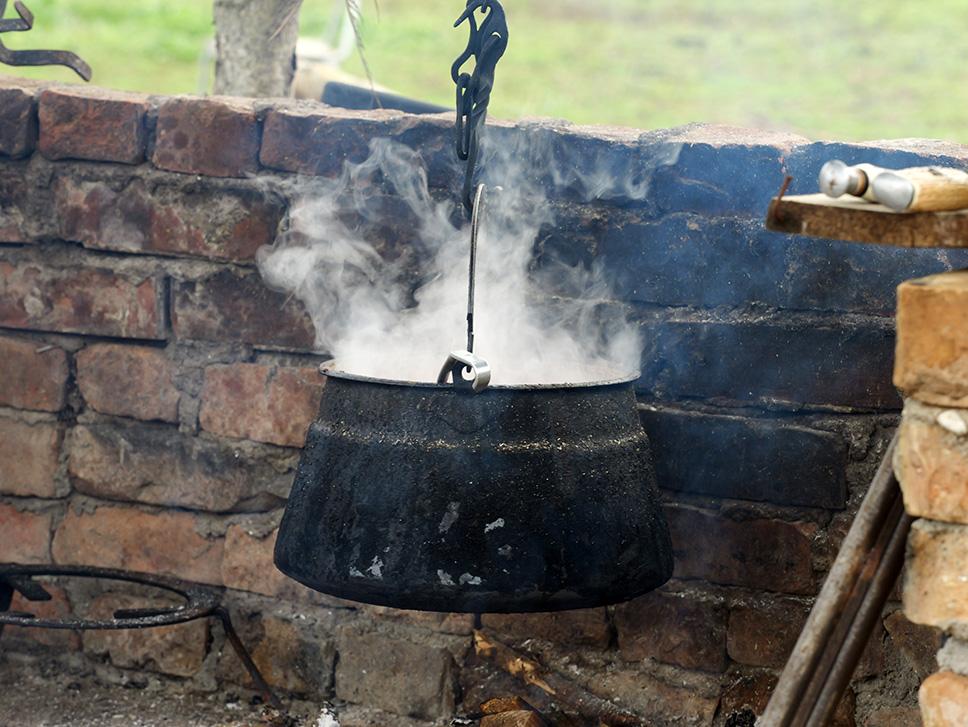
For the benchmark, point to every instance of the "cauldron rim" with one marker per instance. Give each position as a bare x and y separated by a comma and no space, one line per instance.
623,380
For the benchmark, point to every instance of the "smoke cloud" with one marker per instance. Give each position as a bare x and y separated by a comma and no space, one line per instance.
381,265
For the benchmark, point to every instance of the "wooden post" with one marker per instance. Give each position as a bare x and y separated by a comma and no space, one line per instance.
255,43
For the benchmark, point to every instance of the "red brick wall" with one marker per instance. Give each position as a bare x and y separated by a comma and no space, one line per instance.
154,396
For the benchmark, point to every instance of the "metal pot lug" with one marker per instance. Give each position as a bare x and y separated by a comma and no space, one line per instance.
459,362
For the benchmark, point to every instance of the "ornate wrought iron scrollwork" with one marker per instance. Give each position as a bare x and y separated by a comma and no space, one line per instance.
487,43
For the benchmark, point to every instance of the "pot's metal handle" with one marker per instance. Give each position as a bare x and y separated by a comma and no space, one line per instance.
459,362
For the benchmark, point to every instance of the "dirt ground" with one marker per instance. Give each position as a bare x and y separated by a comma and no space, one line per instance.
47,697
47,694
50,692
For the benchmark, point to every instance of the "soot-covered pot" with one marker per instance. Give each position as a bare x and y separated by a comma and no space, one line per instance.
520,498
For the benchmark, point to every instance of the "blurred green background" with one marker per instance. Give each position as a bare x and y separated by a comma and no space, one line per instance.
824,68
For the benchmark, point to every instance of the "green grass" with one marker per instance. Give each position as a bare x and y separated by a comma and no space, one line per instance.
824,68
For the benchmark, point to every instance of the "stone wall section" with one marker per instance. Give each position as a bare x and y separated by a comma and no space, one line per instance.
154,395
931,463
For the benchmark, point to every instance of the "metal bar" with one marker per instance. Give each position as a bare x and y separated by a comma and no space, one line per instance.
471,283
222,614
836,591
833,647
199,601
25,21
46,58
864,623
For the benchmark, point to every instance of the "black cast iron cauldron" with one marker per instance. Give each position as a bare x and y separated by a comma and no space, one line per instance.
520,498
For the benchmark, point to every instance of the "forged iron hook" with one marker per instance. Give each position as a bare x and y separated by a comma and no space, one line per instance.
35,57
486,44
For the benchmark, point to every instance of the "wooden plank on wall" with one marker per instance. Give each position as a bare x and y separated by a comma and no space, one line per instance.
856,220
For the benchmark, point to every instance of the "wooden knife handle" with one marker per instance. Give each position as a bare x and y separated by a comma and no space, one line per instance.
937,188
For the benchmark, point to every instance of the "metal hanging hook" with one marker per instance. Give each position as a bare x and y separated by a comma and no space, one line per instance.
35,57
486,44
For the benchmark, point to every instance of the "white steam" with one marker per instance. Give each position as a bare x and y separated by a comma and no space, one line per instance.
382,268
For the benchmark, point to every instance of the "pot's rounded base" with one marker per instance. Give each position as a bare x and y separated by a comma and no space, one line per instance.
433,597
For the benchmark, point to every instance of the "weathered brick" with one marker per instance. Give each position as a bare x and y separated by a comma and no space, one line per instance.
936,579
26,535
122,537
675,629
748,459
32,375
778,363
721,170
248,564
29,458
459,624
750,641
681,259
264,403
944,700
128,381
690,700
918,644
693,259
236,307
162,466
90,123
409,679
216,137
291,655
198,220
90,300
931,360
177,650
18,121
832,275
931,462
19,198
58,607
312,139
772,555
585,627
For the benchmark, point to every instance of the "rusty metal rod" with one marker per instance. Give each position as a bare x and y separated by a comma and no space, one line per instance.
830,604
222,614
866,619
832,649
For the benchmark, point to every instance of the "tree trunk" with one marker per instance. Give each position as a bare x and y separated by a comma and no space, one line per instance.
255,44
